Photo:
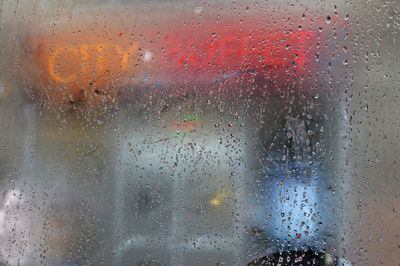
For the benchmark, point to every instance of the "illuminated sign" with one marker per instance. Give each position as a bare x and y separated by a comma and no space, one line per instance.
78,69
88,58
67,63
234,50
83,65
70,62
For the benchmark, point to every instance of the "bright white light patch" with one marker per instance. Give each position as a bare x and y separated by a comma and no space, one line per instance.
296,213
148,56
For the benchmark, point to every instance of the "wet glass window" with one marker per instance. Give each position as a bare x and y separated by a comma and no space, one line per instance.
199,132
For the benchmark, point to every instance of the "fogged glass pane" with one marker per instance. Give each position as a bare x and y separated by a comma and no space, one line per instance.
199,132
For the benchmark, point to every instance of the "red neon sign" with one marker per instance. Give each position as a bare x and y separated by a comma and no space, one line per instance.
234,51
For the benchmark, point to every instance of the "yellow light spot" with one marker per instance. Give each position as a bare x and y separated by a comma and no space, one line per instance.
218,199
215,202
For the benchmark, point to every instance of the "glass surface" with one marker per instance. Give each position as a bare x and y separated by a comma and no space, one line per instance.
199,132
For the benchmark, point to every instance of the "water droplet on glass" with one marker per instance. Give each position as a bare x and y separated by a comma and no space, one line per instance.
328,19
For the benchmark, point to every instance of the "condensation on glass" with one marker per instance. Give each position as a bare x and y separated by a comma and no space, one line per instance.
199,132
